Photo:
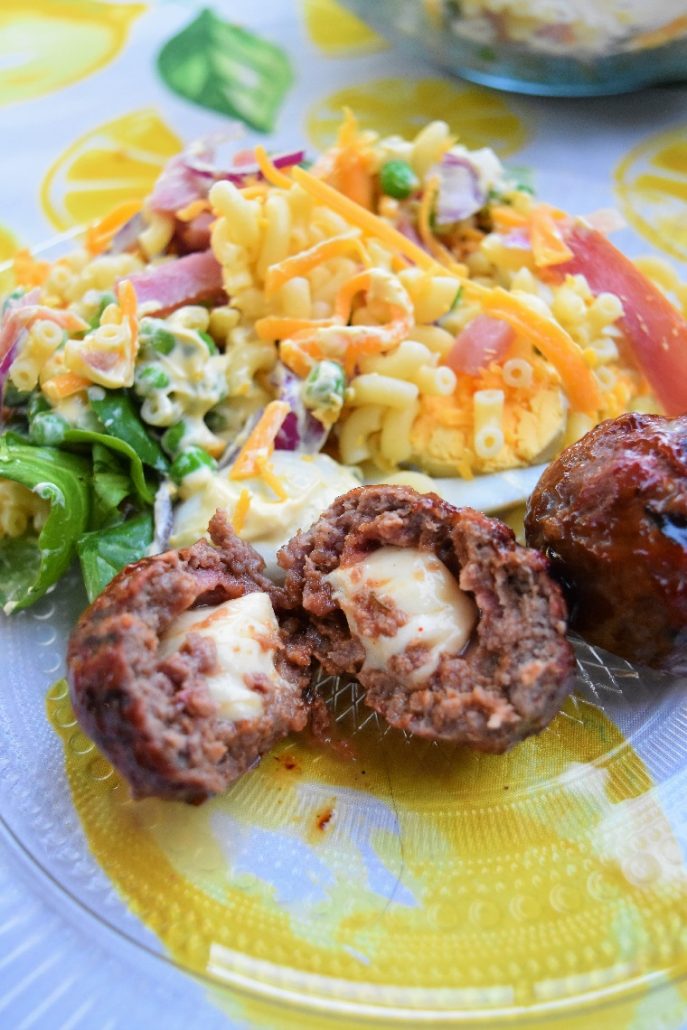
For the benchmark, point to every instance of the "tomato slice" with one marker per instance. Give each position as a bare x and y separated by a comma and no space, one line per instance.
656,332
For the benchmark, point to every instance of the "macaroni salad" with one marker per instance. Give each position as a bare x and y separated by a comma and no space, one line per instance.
398,305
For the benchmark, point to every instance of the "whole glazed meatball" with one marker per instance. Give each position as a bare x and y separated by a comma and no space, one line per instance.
611,515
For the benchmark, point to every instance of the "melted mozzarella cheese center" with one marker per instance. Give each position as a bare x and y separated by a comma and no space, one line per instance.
437,613
246,635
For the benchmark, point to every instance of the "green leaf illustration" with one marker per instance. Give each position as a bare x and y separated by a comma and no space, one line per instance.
228,69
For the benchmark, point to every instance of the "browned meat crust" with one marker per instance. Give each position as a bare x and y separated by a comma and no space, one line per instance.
154,718
518,667
611,513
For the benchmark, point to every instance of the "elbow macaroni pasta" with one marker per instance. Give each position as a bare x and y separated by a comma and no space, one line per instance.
321,268
20,510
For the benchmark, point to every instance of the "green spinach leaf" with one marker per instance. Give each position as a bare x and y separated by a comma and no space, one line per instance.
104,552
64,481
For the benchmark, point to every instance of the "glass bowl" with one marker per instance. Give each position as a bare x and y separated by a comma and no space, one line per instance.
538,46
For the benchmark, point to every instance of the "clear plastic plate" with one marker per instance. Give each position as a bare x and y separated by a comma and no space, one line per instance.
393,881
403,882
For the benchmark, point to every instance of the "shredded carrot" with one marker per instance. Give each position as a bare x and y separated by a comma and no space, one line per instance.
260,443
27,270
238,519
300,356
192,210
358,349
270,171
549,337
506,218
437,249
100,234
277,327
347,135
64,384
301,264
548,246
269,476
128,306
370,223
354,179
344,298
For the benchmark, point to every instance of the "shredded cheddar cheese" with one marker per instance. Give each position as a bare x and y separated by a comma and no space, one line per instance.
260,443
101,233
238,520
270,171
365,220
300,264
65,384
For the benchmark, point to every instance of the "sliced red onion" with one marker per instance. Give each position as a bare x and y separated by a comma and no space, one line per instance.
189,175
240,174
314,435
460,193
8,358
300,430
126,238
163,519
233,448
5,366
407,229
517,239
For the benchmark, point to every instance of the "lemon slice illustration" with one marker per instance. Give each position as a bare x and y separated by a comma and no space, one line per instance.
8,248
416,873
48,44
119,160
404,106
651,184
337,32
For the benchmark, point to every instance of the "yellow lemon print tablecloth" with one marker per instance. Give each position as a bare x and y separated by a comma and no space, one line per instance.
407,884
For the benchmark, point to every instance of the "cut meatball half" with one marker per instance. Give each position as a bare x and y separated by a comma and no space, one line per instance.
456,632
182,672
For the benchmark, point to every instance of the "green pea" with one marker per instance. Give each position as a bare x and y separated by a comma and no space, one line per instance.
163,341
171,440
154,333
397,179
189,461
208,341
48,428
325,384
153,378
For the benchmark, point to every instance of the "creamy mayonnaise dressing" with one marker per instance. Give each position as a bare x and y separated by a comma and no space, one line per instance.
246,635
310,482
438,614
